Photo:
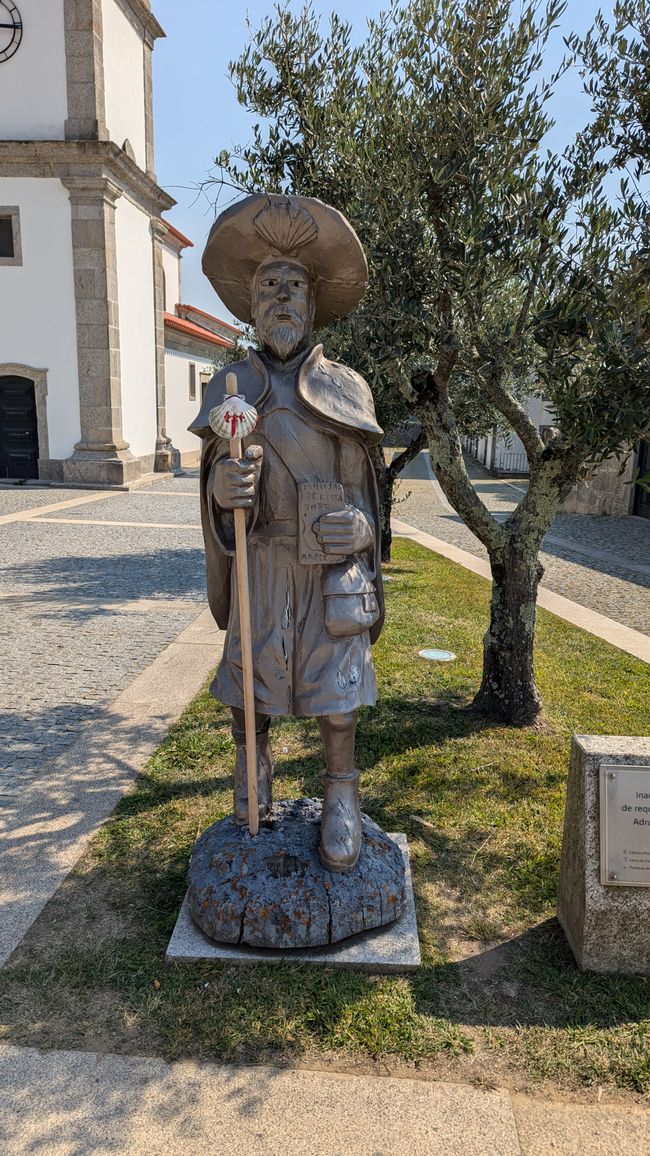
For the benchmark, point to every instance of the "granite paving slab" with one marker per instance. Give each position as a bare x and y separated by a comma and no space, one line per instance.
65,1103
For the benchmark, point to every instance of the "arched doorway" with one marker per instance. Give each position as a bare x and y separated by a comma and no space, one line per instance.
18,428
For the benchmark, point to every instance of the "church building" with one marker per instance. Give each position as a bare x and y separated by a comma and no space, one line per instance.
101,363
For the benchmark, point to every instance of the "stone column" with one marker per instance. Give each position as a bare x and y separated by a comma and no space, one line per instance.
166,456
101,456
84,70
147,49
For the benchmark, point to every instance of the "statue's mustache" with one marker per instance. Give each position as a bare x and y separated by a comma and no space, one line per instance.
284,315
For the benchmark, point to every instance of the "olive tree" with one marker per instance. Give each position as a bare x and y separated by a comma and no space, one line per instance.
493,262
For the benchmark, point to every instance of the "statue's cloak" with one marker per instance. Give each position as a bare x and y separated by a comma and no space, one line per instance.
335,399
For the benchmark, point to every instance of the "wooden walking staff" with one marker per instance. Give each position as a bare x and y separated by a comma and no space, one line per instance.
234,418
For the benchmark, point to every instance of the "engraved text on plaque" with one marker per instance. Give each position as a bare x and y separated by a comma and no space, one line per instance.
624,825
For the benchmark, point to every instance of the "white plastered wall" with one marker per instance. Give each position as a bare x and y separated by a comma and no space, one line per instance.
38,326
172,268
123,50
137,326
539,412
180,411
33,85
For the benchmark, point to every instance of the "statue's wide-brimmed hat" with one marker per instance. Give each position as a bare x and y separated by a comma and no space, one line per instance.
270,226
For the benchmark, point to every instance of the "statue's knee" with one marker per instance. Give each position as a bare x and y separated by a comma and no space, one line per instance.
238,729
339,724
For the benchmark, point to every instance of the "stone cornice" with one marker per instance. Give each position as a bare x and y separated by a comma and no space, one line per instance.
84,159
142,11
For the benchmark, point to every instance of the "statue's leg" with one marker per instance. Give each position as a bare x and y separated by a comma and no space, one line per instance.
265,766
340,835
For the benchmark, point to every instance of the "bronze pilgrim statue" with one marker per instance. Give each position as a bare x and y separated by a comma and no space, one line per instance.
305,480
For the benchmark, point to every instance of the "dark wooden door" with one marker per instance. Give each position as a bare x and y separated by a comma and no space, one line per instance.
18,428
641,505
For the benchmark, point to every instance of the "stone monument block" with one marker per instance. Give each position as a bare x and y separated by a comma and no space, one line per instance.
604,895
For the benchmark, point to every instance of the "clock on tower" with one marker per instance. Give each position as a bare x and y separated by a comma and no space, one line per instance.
11,29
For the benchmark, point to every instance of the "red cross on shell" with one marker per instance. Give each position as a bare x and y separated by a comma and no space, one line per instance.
234,418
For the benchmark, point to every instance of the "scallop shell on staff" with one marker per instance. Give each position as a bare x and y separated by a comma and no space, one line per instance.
234,418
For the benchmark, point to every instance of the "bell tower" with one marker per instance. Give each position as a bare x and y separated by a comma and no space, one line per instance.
77,183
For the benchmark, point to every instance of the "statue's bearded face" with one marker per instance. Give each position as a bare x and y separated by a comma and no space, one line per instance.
283,307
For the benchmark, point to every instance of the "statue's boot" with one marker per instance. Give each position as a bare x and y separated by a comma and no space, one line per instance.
265,767
340,831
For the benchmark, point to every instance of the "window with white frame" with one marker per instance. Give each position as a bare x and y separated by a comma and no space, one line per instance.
192,381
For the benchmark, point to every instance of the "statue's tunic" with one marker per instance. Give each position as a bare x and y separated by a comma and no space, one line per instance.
298,668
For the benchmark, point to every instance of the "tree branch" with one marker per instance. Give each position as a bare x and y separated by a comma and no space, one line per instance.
400,461
514,413
557,472
435,412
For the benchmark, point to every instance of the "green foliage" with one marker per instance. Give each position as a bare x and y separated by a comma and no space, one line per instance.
497,268
491,259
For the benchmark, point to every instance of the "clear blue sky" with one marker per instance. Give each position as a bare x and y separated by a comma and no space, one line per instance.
197,114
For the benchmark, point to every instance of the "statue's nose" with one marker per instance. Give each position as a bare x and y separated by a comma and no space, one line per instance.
283,293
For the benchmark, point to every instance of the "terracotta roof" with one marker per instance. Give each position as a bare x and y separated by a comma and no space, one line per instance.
187,244
211,317
192,330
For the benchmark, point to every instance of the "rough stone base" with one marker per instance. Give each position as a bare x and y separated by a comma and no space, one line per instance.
50,470
272,891
105,468
608,928
394,948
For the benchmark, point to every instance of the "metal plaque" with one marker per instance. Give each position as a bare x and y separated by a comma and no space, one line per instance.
624,825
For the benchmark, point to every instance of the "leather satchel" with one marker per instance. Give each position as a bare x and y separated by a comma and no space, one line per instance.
350,600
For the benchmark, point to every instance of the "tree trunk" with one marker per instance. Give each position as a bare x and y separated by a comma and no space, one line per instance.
508,692
386,478
385,491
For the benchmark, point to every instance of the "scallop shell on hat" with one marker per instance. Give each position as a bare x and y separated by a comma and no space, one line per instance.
286,226
234,418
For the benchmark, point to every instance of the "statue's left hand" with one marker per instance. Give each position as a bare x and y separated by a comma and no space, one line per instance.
344,531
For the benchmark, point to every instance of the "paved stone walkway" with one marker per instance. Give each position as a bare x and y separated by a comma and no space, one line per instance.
601,563
80,1104
90,594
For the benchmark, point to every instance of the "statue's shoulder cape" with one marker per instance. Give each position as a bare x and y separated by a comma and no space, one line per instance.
330,390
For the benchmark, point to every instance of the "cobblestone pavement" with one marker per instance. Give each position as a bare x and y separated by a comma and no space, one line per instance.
602,563
85,605
91,593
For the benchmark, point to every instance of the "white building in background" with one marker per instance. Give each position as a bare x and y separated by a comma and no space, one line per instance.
508,456
100,363
607,489
195,342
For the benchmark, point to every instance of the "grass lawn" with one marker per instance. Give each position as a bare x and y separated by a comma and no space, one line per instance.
498,1000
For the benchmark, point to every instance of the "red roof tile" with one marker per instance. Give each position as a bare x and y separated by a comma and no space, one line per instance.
210,317
187,244
193,330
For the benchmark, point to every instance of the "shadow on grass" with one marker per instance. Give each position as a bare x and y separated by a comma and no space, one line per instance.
90,972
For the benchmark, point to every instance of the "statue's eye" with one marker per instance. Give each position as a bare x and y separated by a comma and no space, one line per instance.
270,282
297,284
